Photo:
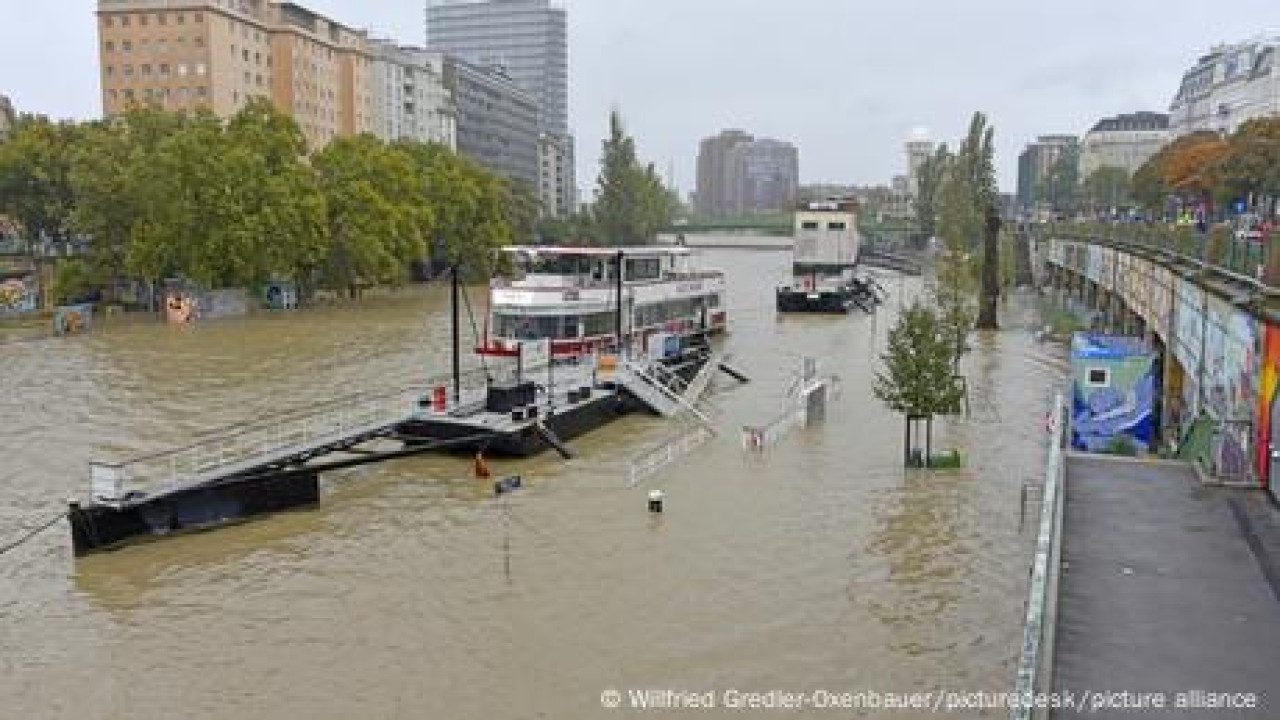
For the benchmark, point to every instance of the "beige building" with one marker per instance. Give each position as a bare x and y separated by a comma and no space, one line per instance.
218,54
1124,141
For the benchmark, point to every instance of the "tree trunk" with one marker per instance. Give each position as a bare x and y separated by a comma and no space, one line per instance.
990,295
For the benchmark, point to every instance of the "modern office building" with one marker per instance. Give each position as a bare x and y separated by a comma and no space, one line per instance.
8,117
713,186
1036,163
528,40
763,175
555,190
497,121
1124,141
1229,85
219,54
409,90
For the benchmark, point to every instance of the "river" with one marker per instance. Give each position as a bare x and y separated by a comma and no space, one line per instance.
411,593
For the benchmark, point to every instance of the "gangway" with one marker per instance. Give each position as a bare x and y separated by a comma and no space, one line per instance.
262,467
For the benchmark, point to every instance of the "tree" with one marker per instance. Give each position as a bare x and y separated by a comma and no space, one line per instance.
929,179
35,176
632,204
376,220
917,380
1107,187
1250,169
1186,167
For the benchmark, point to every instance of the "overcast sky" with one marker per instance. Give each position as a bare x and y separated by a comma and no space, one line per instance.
845,80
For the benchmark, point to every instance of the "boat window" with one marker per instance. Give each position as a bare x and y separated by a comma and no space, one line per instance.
835,226
809,225
603,323
556,265
533,327
644,269
715,301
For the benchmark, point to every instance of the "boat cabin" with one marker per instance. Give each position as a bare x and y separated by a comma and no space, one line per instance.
569,296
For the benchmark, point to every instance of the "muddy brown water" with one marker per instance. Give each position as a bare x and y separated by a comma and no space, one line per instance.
411,593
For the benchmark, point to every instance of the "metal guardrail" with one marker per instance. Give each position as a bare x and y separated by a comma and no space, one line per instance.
1035,662
1245,259
225,450
651,460
245,447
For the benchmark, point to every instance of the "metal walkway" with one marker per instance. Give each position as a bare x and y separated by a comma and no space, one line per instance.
288,440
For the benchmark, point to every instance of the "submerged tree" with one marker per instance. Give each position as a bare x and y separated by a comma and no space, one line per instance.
917,380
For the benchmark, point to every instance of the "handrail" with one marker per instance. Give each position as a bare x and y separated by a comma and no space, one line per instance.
1242,259
1035,661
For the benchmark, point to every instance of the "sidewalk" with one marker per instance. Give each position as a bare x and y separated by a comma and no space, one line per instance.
1168,587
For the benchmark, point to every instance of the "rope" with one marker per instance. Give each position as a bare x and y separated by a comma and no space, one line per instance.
31,534
475,331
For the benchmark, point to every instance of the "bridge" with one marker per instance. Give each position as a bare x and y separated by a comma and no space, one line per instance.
1210,305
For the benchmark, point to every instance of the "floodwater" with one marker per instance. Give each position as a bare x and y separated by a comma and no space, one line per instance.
411,593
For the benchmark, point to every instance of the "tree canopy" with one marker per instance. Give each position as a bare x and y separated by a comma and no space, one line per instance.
917,379
243,200
631,203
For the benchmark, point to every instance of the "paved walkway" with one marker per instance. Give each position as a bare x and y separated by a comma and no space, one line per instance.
1167,587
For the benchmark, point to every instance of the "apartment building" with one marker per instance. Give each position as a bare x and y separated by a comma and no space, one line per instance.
1124,141
219,54
1229,85
8,117
413,102
497,121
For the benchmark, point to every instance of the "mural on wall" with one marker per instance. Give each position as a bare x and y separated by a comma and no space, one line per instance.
1268,379
1093,262
1230,384
18,295
1161,285
1188,342
1114,386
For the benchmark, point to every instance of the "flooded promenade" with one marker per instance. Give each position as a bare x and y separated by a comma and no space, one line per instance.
410,592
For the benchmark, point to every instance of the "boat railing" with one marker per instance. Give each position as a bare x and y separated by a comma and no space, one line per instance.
282,436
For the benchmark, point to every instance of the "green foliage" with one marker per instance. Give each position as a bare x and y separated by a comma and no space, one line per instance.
72,278
968,214
35,170
631,204
241,201
1122,444
918,378
933,172
1106,188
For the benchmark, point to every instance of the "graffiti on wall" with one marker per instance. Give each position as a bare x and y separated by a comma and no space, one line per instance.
1188,341
1269,380
1229,386
17,295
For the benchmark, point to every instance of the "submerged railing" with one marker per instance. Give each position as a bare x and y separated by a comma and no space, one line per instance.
1035,662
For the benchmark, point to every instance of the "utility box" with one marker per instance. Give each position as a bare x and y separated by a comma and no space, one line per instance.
1114,386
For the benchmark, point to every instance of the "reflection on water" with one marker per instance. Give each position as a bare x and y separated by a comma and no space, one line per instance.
411,592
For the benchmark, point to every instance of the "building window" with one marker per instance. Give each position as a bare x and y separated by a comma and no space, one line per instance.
182,19
161,19
143,19
126,47
112,94
109,71
202,91
182,69
197,17
146,71
198,41
124,21
245,54
107,21
164,70
128,94
128,71
200,69
109,46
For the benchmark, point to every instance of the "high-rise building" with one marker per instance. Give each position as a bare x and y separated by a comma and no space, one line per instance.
1123,141
1035,166
409,89
1231,84
919,149
763,174
714,178
554,191
497,121
8,117
528,39
219,54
